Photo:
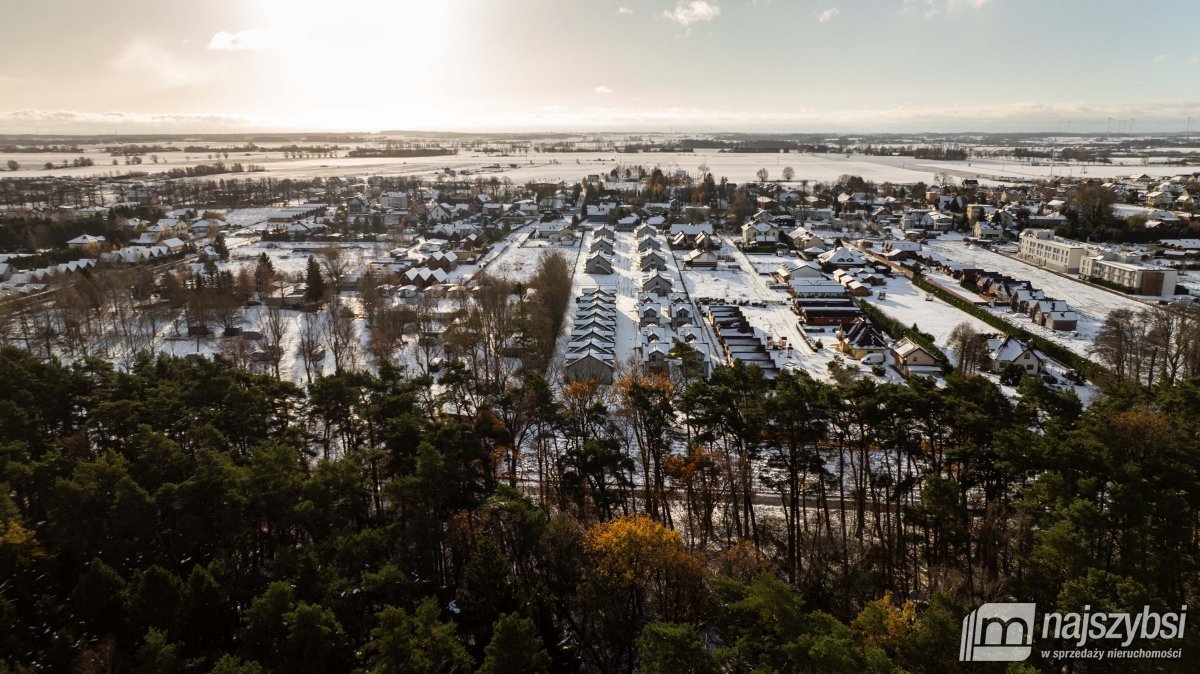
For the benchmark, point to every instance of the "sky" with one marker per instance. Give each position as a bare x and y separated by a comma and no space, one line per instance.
695,66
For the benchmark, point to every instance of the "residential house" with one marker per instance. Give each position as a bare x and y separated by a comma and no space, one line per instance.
860,339
439,212
700,258
799,270
598,263
1053,314
691,229
760,232
842,258
657,283
644,230
601,245
554,232
1023,297
706,241
911,359
397,200
838,311
653,261
1159,199
589,365
802,238
1006,351
988,231
86,241
628,223
649,244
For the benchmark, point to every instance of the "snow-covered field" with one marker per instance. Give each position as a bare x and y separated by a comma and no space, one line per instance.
291,258
738,167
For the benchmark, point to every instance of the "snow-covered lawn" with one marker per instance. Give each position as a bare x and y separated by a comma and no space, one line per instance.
248,217
906,303
516,257
292,257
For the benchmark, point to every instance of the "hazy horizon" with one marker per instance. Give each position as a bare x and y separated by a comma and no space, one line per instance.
616,66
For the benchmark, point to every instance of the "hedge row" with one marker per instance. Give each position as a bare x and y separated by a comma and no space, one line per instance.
1062,354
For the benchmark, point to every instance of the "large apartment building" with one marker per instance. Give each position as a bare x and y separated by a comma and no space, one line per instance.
1041,247
1129,275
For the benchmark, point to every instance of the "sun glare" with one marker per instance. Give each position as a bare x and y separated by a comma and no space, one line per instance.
362,63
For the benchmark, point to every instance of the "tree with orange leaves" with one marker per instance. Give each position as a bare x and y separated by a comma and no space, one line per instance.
640,571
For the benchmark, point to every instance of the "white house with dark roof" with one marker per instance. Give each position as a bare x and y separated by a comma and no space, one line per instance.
758,232
842,257
1006,351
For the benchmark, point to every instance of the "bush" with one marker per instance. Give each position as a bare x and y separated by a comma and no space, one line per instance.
1012,375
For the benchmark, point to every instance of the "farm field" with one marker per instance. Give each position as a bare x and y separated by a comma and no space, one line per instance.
571,166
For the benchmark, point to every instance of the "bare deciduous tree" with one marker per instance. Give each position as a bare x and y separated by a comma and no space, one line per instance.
238,351
970,346
311,351
275,340
339,335
337,265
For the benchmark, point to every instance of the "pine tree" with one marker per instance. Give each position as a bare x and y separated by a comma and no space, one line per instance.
671,648
220,247
515,648
315,283
264,273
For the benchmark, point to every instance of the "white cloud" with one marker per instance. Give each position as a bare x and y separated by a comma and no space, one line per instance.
827,15
624,10
603,90
1159,58
146,60
935,7
1195,59
251,39
693,11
